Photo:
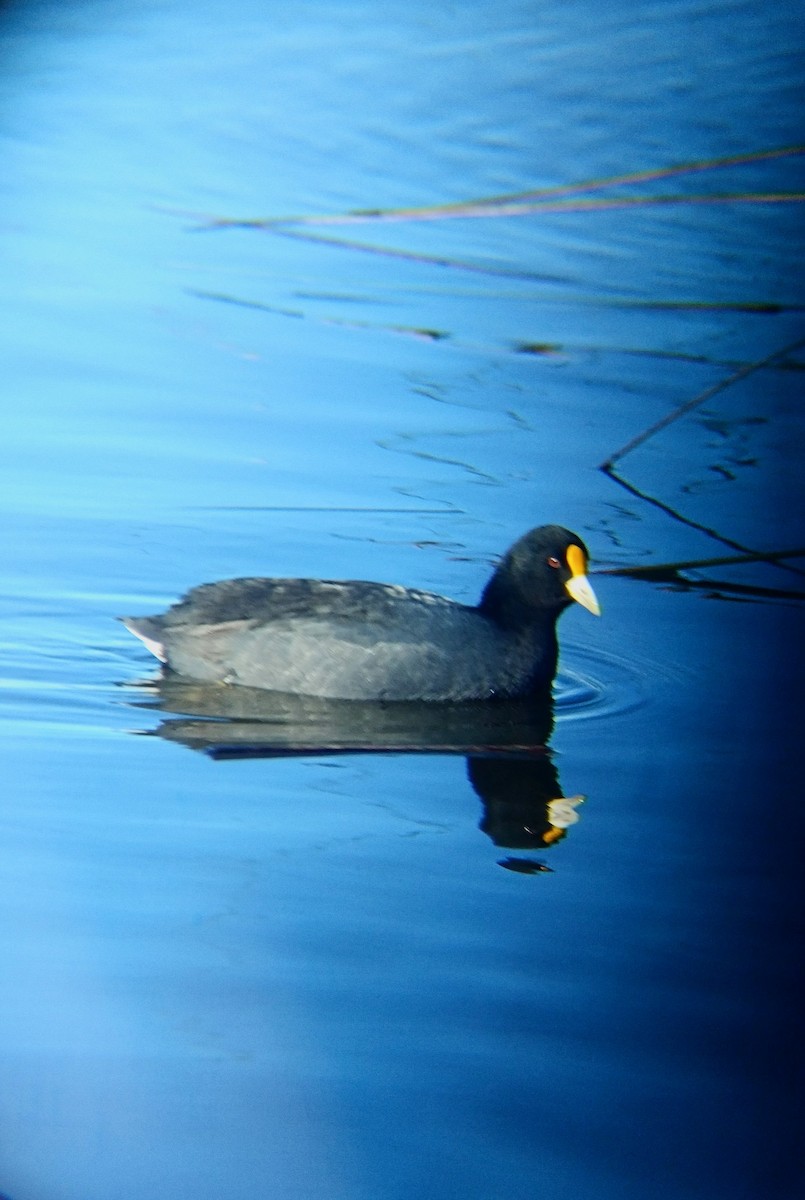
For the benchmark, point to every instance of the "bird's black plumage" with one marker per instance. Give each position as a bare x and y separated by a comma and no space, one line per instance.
372,641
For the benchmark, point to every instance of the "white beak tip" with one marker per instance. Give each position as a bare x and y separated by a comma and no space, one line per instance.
578,588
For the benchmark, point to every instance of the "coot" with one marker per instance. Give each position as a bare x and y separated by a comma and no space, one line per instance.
375,641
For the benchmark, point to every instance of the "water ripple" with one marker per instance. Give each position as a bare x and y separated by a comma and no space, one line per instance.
594,683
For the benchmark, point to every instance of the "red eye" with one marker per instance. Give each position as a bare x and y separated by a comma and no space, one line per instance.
554,562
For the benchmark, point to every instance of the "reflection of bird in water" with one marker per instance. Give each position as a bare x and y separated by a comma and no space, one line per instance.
373,641
508,764
524,808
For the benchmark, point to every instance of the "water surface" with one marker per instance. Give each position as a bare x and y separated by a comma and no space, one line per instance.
314,975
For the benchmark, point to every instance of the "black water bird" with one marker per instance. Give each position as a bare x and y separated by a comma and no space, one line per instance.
355,640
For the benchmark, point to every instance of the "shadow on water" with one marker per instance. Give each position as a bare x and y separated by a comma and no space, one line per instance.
508,762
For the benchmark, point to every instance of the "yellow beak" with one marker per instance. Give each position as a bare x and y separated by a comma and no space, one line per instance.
578,586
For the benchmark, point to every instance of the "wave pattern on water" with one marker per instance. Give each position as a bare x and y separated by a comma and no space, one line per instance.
596,683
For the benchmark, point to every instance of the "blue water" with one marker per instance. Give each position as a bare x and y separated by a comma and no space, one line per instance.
310,977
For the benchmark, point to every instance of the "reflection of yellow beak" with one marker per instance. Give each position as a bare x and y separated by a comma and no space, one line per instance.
578,586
